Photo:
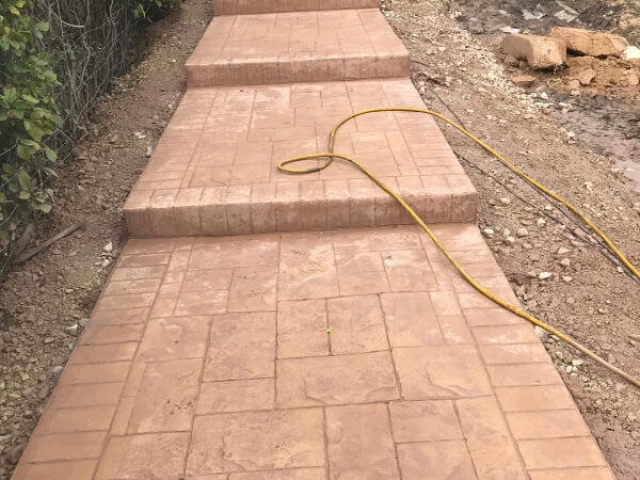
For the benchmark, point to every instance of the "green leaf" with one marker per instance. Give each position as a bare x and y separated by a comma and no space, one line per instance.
24,152
49,76
44,208
24,195
24,180
33,130
52,173
51,155
10,94
30,99
14,10
3,198
42,27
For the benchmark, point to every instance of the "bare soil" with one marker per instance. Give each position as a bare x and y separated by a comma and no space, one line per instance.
573,144
617,16
44,301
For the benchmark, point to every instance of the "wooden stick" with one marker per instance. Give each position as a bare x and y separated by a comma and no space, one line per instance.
36,250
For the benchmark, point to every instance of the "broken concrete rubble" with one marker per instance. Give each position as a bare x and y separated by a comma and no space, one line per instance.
540,52
585,42
631,54
580,63
586,76
523,80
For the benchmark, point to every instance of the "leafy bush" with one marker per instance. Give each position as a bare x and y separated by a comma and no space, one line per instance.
28,115
88,42
155,9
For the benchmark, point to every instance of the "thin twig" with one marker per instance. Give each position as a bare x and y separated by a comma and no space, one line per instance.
48,243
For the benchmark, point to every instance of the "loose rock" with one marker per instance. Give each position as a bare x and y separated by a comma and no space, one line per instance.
539,52
631,54
72,330
475,25
586,76
585,42
523,80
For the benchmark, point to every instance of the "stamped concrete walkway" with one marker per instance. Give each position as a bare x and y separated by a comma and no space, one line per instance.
244,336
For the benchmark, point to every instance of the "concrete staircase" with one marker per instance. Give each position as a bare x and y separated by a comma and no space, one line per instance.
214,171
249,332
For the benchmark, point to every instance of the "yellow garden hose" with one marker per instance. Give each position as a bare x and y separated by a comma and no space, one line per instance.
330,156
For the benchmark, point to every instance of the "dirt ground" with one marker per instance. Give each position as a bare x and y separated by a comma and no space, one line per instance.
539,16
44,303
578,145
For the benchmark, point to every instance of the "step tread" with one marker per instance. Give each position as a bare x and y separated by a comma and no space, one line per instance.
297,47
214,171
245,7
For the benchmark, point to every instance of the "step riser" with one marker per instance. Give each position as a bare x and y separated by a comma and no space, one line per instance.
253,217
273,72
244,7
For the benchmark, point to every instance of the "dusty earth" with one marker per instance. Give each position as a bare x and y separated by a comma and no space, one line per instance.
44,302
539,16
574,142
579,145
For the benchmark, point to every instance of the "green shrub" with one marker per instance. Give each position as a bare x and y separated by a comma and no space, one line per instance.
155,9
88,44
28,115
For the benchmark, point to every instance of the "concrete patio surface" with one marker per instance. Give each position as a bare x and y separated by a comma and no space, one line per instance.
345,354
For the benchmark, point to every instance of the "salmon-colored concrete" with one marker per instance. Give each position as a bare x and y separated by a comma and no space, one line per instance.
352,354
214,171
297,47
239,7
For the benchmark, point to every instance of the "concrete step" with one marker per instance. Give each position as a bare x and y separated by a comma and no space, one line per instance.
297,47
214,171
379,347
244,7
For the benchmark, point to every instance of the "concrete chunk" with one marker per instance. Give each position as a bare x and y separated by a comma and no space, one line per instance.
540,52
585,42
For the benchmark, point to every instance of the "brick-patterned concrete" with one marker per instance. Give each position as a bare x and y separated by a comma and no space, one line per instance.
243,7
297,47
313,355
346,354
214,171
